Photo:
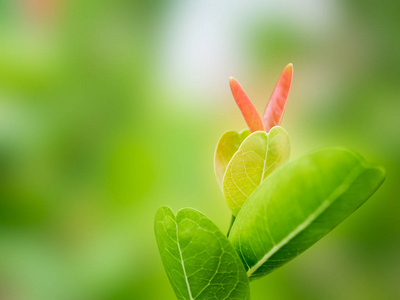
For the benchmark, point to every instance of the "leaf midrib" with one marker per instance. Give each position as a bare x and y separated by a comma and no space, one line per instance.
265,161
182,262
318,212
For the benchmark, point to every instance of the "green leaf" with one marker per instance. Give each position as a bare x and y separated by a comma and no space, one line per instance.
300,203
258,156
227,146
199,260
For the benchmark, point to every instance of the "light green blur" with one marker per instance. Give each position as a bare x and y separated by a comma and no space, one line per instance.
111,109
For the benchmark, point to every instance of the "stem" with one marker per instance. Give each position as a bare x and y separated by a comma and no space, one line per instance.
230,227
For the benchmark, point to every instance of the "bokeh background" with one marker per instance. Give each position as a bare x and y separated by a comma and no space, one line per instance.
112,108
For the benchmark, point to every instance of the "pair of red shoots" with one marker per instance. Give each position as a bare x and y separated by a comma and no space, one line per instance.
276,106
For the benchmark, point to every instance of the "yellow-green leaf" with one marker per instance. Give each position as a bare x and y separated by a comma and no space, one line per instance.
258,156
227,146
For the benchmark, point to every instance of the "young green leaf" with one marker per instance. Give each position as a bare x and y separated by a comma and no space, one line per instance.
227,146
258,155
199,260
276,106
247,108
300,203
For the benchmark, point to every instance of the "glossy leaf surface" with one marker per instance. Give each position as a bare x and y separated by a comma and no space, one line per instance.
298,204
258,156
199,260
247,108
276,106
227,146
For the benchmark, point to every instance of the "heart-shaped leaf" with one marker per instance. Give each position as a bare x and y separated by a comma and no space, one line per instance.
199,260
227,146
247,108
258,156
276,106
298,204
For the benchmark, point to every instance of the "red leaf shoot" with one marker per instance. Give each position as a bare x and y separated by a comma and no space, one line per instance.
276,106
247,108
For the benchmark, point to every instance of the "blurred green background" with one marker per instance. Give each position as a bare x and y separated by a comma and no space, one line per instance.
112,108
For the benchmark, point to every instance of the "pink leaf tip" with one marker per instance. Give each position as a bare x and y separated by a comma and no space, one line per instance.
276,106
247,108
